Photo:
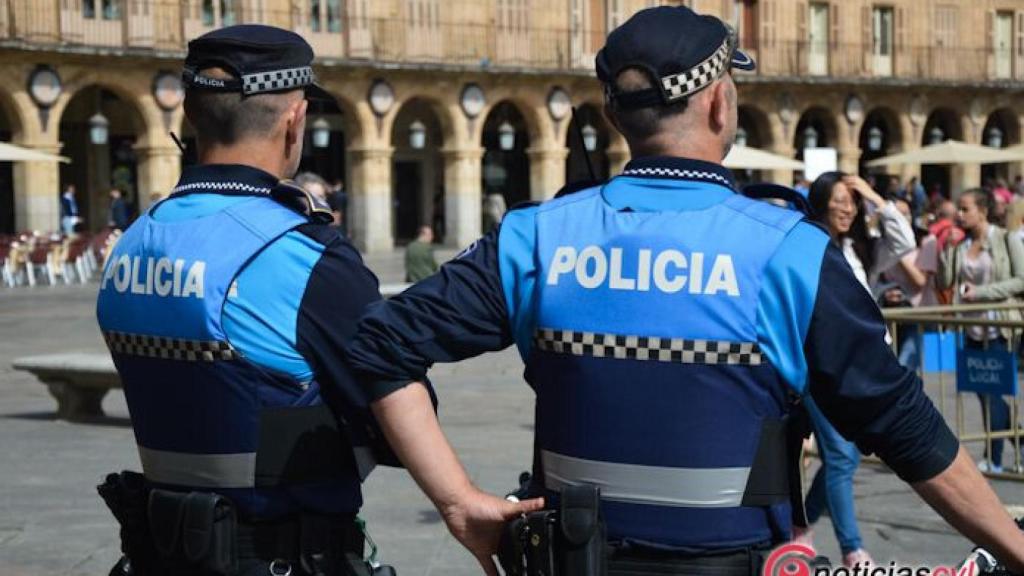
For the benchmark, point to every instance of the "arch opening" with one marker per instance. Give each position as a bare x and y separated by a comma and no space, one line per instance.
417,171
505,172
588,137
99,130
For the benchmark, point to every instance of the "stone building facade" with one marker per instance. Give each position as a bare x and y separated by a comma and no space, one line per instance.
442,102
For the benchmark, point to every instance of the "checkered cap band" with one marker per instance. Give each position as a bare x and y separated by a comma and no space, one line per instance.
169,348
697,78
277,80
654,348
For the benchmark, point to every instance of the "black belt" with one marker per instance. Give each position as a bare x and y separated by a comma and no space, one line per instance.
648,562
288,539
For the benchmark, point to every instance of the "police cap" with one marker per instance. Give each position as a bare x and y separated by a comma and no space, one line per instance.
261,59
683,52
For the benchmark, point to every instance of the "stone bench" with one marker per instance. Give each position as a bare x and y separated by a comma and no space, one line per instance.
78,380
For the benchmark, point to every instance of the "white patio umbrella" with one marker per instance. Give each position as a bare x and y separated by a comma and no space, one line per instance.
745,158
951,152
12,153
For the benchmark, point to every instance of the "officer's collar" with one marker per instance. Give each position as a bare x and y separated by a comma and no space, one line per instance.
679,169
229,179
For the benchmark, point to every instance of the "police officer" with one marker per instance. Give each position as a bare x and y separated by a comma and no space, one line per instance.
227,308
666,322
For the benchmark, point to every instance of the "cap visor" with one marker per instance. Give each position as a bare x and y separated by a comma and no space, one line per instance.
742,61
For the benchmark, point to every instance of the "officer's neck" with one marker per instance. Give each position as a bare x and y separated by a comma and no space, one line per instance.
670,145
259,155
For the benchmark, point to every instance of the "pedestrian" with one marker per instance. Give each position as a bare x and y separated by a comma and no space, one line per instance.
69,215
918,197
494,210
419,256
987,266
117,214
221,309
664,320
315,185
337,199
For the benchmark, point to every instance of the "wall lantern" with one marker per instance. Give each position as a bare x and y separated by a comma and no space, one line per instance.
417,135
741,136
321,133
936,135
589,138
810,137
506,136
994,137
99,129
875,139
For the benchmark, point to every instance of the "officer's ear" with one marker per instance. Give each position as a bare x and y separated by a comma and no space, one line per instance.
295,122
721,100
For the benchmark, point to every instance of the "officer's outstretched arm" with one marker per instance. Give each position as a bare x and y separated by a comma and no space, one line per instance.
964,498
474,517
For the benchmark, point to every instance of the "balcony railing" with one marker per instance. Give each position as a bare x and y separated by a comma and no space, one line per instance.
166,25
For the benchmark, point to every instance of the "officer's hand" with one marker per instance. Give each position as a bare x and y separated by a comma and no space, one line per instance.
476,520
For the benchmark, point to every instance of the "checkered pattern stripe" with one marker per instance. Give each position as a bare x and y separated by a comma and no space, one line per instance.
169,348
234,186
674,173
675,350
693,80
276,80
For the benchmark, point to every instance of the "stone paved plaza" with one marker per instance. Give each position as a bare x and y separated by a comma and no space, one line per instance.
53,523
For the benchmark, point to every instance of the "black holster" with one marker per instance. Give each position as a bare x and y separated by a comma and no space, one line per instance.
566,542
127,495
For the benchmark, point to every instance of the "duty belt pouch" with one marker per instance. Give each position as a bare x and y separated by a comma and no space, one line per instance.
197,531
583,533
540,547
511,550
126,494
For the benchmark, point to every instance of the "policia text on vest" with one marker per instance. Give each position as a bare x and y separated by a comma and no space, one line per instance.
669,271
162,277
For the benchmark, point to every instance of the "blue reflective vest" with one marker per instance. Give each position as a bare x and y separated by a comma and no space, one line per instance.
645,359
205,417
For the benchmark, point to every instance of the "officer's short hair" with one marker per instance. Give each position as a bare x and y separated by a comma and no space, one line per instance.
228,117
642,123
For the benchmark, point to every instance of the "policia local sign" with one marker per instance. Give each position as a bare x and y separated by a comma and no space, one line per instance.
992,371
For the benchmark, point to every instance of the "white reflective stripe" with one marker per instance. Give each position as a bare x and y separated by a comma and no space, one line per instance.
365,462
199,470
656,485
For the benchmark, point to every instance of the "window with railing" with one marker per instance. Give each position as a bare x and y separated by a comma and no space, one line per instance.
105,9
882,40
614,10
325,15
220,12
513,27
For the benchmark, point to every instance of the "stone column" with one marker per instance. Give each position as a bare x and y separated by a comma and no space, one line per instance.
547,171
781,176
369,198
159,168
37,191
963,177
848,159
462,195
